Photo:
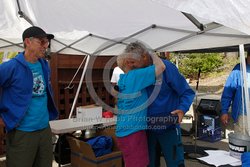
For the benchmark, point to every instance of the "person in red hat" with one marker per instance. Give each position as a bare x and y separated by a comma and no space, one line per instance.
26,103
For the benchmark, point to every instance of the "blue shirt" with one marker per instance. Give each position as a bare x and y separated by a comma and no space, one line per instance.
232,93
37,116
170,92
132,100
16,84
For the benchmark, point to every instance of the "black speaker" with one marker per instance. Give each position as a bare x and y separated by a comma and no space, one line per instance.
209,107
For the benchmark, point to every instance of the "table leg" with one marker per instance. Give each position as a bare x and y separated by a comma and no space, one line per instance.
59,151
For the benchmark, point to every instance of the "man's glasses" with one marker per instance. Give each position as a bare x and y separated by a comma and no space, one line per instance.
42,41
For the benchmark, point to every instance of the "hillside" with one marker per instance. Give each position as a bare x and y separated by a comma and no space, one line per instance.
213,83
210,85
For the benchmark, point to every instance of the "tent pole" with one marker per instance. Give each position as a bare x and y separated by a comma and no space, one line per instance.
22,14
70,83
194,154
12,44
245,91
128,37
69,46
194,21
192,34
78,50
79,86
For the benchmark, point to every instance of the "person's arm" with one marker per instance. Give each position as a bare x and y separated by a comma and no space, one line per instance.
224,119
6,72
186,99
159,65
228,93
180,114
180,86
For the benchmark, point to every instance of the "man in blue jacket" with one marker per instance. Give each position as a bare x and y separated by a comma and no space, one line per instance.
232,94
170,98
26,103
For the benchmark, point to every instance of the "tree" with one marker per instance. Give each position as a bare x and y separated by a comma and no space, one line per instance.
189,64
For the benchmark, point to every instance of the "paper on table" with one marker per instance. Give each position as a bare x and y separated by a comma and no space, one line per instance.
219,157
236,163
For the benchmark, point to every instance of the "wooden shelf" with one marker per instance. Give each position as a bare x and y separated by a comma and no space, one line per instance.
63,68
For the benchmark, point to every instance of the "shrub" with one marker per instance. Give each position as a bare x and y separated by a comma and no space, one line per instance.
189,64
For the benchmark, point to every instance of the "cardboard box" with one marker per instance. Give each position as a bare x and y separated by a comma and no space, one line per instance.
89,112
82,155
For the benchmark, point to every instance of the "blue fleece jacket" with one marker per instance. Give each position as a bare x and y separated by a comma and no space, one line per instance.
16,83
171,92
232,93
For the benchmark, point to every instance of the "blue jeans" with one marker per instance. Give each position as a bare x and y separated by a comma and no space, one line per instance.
171,147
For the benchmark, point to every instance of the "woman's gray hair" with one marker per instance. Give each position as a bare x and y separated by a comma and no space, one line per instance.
134,50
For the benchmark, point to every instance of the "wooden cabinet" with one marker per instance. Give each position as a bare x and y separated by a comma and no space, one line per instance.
63,69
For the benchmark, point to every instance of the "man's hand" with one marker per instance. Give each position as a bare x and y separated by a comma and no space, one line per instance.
180,114
224,119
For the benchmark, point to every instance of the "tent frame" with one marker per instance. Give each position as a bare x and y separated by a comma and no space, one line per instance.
203,30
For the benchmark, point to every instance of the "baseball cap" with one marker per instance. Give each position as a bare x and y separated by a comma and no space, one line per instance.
36,32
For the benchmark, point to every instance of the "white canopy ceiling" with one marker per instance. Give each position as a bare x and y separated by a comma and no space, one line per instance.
230,13
105,27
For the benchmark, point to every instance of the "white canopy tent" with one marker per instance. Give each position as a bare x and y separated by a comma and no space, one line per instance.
105,27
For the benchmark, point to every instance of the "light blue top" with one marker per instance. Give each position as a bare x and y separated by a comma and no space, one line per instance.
37,115
132,100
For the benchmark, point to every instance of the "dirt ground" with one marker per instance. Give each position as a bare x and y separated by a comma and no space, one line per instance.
210,85
213,83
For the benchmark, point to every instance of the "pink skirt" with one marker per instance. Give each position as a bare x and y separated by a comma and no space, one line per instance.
134,149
